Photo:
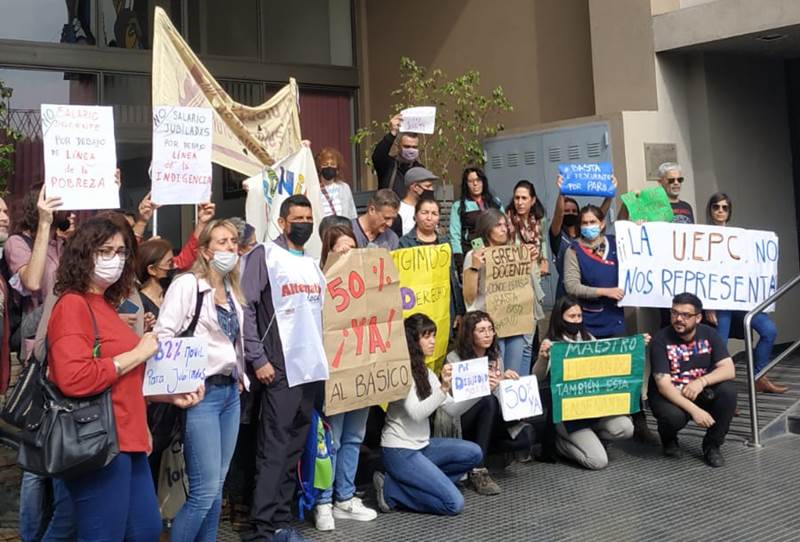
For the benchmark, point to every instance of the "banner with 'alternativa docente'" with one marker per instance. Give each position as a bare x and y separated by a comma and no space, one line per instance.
245,138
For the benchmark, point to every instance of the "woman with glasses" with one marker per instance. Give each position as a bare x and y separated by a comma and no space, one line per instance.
590,274
211,426
475,198
483,423
91,349
719,212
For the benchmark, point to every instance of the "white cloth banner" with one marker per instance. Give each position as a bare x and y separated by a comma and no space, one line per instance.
181,167
297,285
295,174
470,379
727,268
80,156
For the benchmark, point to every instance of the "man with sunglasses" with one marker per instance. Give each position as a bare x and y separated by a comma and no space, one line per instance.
693,378
671,180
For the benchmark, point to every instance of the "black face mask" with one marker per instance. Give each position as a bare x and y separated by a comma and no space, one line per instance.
571,220
572,328
427,195
164,282
329,173
63,224
299,232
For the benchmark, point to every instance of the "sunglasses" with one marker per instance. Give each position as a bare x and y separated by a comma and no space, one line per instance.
671,180
719,207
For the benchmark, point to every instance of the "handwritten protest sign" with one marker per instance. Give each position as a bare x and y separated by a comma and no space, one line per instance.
179,366
181,167
727,268
587,179
363,332
596,378
651,205
509,290
470,379
520,399
425,287
80,156
420,120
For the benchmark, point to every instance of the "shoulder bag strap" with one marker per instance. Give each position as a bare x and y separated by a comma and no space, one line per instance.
189,331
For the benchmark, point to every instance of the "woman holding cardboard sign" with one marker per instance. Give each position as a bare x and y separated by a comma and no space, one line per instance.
421,471
492,231
206,302
579,440
590,274
719,212
483,423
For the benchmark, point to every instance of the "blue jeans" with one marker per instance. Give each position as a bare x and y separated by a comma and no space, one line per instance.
348,431
31,506
117,502
423,480
512,350
209,440
764,326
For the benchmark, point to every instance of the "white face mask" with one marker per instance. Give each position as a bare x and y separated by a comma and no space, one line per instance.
223,262
107,272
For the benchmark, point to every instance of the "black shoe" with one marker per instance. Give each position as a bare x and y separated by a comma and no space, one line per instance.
642,433
671,449
714,457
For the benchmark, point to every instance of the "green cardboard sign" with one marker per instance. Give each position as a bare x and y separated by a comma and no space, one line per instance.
651,205
594,379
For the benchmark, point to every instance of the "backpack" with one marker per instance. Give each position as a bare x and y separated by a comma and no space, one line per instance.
16,303
315,468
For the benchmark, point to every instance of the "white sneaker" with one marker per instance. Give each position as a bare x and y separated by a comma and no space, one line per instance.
353,509
323,517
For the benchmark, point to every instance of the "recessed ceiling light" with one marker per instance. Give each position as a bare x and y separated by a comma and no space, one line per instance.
771,37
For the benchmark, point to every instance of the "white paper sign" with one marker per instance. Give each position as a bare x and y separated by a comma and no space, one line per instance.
727,268
80,156
470,379
419,120
181,167
179,366
520,399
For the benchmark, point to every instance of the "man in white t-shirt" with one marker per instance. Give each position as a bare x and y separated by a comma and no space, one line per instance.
419,185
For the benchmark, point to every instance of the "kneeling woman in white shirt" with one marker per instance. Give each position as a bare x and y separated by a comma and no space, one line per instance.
421,471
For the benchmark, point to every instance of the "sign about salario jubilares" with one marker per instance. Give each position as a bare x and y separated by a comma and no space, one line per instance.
181,168
80,156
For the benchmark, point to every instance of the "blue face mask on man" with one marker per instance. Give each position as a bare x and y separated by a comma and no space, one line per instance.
590,232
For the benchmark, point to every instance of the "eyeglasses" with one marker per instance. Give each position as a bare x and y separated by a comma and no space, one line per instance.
108,253
719,207
485,331
671,180
678,315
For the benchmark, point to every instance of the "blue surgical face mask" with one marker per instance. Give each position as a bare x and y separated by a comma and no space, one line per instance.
590,232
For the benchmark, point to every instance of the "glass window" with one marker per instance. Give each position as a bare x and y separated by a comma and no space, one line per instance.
224,28
127,24
31,89
309,32
53,21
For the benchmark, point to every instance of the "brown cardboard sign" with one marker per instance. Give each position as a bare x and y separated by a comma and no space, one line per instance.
509,290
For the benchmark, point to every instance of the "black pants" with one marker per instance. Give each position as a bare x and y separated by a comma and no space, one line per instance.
282,430
484,425
718,400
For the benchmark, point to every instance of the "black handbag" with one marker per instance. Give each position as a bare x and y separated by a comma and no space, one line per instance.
19,401
67,437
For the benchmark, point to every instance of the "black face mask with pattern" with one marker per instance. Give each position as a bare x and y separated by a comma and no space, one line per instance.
571,220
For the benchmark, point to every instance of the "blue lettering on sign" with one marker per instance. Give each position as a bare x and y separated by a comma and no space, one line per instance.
766,250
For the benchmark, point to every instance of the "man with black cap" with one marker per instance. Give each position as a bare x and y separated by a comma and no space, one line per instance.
419,185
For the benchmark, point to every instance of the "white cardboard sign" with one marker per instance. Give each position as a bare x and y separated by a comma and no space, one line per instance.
520,399
181,167
80,156
420,120
179,366
470,379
